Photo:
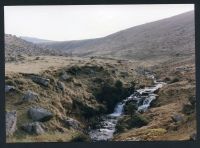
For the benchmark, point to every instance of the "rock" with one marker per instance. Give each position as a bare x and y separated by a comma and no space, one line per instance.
11,121
39,114
33,128
144,94
70,122
9,88
30,96
177,118
61,85
193,136
192,100
188,109
65,76
41,80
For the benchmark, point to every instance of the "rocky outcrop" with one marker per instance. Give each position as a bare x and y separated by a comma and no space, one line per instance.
11,121
33,128
9,88
70,122
41,80
39,114
30,96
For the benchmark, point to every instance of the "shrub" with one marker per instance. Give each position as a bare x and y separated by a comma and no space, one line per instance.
131,108
119,128
128,122
138,120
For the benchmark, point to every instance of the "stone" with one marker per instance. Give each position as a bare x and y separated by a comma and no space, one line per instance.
41,80
61,85
9,88
33,128
70,122
65,76
192,100
193,136
11,122
39,114
30,96
188,109
177,118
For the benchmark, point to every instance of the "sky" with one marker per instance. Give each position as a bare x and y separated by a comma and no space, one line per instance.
63,23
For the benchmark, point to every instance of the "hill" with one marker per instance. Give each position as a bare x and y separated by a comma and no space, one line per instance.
18,49
163,39
34,40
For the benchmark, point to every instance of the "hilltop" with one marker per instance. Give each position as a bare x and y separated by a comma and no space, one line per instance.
160,40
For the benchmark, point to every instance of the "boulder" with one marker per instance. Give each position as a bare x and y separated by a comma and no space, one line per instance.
70,122
41,80
33,128
30,96
39,114
11,122
177,118
188,109
193,136
61,85
9,88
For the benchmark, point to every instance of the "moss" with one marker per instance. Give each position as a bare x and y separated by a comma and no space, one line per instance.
80,137
138,120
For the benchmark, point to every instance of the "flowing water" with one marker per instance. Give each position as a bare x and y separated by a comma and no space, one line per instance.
143,97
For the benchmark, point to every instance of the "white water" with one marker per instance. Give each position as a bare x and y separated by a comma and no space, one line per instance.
143,97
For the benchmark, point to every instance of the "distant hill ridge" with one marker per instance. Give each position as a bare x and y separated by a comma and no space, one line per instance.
168,37
16,48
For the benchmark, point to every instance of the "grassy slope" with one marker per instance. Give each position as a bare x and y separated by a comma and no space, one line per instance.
172,98
80,87
158,40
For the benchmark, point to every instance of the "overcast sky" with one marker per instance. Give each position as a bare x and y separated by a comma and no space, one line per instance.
61,23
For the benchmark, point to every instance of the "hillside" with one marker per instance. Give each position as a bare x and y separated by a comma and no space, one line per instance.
17,49
34,40
163,39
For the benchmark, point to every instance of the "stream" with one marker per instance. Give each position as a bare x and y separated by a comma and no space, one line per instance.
143,98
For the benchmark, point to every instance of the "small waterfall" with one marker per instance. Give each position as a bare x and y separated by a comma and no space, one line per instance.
118,110
143,97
